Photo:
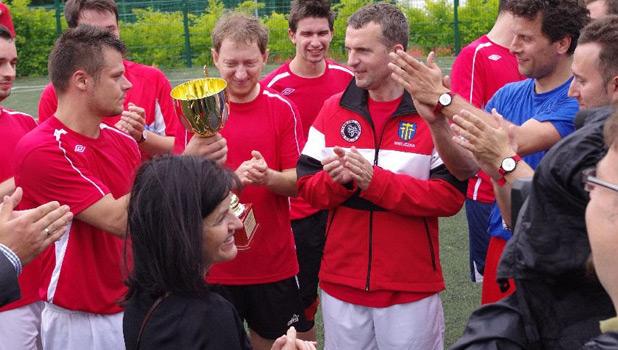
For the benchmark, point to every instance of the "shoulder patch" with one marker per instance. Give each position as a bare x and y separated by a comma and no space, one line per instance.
351,130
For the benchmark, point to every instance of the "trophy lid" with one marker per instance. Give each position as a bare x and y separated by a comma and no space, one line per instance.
198,88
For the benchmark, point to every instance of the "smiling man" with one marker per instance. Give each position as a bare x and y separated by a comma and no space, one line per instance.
370,161
264,138
545,37
308,80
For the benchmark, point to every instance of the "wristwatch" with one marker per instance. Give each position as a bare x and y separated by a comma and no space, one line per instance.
144,137
507,166
444,100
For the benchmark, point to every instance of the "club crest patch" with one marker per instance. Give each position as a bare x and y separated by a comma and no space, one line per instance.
351,130
406,131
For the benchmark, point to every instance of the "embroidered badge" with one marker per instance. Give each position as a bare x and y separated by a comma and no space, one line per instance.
406,131
351,130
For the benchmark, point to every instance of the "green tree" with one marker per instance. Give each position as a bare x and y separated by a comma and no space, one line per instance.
35,30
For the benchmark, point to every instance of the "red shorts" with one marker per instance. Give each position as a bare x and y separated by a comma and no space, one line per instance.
491,289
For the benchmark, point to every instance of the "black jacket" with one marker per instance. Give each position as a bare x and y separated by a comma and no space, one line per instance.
9,287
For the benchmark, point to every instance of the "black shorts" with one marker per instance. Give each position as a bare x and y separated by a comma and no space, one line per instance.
270,308
309,236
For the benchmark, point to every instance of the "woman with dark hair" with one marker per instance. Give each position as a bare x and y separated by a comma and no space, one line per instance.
180,223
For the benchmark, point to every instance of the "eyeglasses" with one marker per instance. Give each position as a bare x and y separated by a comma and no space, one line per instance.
590,180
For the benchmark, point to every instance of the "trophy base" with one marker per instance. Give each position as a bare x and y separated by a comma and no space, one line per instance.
244,235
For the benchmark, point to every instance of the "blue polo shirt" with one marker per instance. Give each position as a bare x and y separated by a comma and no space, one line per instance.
518,102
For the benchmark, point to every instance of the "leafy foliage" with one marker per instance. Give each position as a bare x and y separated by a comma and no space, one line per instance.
156,37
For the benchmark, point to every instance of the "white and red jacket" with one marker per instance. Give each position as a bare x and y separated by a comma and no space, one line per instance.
386,237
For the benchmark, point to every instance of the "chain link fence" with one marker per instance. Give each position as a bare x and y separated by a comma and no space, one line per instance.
176,33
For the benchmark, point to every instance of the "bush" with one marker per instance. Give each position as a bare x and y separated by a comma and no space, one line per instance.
35,30
201,29
157,37
279,44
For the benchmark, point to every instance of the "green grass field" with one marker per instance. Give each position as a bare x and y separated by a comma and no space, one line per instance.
461,295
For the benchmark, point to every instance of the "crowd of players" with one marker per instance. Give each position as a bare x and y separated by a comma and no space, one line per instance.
347,168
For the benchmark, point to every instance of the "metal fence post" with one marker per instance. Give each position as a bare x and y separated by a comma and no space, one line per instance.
456,27
185,22
58,14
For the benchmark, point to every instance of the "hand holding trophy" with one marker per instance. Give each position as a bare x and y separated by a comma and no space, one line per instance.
202,107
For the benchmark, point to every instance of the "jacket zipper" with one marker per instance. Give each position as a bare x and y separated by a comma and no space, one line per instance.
431,251
375,162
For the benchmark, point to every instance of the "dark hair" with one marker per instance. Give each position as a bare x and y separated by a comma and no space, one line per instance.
611,5
301,9
394,25
170,198
502,5
610,130
604,32
80,48
559,18
5,33
240,28
73,9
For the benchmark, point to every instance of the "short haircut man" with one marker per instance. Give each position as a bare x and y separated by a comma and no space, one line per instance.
371,189
80,161
264,136
308,80
545,36
156,123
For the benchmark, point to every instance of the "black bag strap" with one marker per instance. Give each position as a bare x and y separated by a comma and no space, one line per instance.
152,309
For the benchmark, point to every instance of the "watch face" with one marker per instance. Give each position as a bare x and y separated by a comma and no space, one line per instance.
445,99
508,164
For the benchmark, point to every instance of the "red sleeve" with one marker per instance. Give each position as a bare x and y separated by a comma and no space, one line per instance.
290,137
167,105
406,195
68,183
466,81
47,103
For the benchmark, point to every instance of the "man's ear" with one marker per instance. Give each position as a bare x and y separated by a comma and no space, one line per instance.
291,36
79,79
215,56
612,89
265,56
563,45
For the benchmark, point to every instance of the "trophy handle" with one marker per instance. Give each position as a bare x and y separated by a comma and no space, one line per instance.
206,71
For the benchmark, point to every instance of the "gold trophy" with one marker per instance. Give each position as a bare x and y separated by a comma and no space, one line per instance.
202,107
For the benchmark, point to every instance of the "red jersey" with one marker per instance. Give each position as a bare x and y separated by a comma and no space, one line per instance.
82,271
151,91
13,126
270,125
480,69
309,95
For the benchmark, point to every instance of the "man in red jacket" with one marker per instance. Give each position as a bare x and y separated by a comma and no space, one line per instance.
371,162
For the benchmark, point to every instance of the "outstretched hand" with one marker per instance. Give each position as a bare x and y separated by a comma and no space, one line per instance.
28,232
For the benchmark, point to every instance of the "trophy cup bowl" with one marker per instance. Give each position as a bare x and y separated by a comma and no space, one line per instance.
201,105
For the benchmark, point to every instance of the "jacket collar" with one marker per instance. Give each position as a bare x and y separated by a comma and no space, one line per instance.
356,100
